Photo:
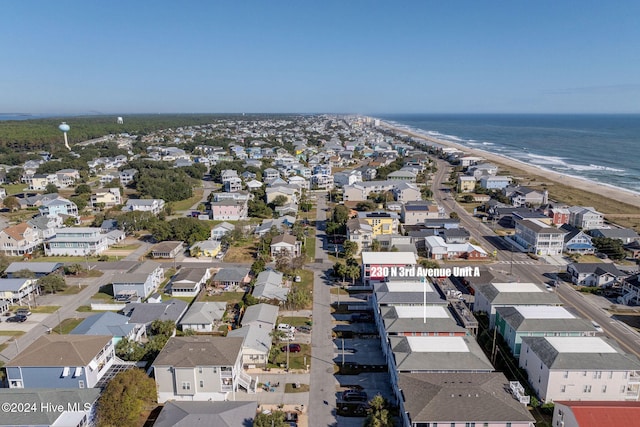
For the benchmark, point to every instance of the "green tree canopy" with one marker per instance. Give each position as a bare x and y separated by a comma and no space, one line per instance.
124,399
52,283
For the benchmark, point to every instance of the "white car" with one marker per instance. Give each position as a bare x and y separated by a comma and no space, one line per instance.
597,326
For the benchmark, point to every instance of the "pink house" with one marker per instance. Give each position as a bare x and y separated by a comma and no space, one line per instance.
229,210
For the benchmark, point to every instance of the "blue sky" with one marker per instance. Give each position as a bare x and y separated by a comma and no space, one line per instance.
350,56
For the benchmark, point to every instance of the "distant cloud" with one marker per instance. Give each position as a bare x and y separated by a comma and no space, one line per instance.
609,89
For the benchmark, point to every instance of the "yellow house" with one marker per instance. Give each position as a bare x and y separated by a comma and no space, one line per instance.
466,184
381,222
205,248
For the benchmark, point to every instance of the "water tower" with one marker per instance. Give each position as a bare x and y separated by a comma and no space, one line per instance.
65,128
119,120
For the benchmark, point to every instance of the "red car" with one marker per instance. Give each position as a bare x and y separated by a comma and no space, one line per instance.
293,348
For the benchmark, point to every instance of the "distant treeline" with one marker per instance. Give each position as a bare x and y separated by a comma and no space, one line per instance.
43,134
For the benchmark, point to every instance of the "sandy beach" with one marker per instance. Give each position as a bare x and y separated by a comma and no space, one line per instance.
606,192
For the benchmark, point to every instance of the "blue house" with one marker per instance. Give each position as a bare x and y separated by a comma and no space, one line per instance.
62,361
60,206
109,323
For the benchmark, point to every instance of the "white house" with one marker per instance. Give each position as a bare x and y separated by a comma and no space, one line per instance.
579,368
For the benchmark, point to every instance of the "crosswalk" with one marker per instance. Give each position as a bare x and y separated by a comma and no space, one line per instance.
518,262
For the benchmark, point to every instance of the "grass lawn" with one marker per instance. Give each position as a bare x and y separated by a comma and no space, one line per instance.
184,205
338,291
102,296
130,248
306,280
469,207
11,333
48,309
294,320
66,326
289,388
589,258
14,188
2,348
228,297
72,290
244,253
296,360
310,247
84,309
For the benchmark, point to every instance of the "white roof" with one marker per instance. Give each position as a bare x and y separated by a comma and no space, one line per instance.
580,345
544,312
517,287
438,344
409,286
389,258
417,311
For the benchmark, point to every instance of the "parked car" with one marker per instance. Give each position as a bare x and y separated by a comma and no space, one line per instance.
597,326
304,329
354,396
23,312
285,327
293,348
17,319
297,279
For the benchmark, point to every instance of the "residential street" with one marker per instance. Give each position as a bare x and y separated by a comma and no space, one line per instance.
322,411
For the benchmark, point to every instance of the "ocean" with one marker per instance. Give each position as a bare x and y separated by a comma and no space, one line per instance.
601,148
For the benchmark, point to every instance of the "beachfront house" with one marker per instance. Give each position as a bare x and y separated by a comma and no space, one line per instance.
539,238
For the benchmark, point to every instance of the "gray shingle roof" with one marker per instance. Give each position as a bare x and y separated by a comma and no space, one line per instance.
555,359
496,297
196,414
189,352
439,361
477,397
38,397
519,323
139,313
204,313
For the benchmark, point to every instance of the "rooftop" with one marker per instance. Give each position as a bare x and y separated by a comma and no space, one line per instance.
61,350
188,352
389,258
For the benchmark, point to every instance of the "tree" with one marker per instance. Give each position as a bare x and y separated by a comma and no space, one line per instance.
378,415
353,272
162,327
376,246
11,203
274,419
280,200
366,206
257,267
83,189
340,270
73,269
52,283
130,351
613,248
50,188
14,175
125,397
454,215
349,248
340,214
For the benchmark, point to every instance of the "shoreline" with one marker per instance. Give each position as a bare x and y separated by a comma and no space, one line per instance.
606,191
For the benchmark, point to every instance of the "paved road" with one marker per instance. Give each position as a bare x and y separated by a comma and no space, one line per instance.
68,303
516,266
322,411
